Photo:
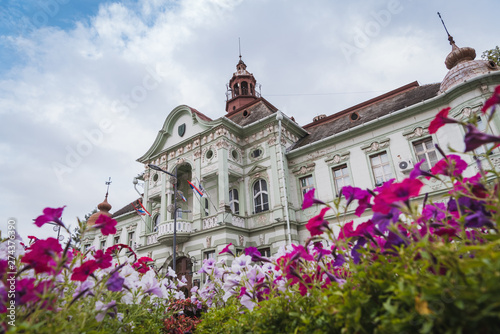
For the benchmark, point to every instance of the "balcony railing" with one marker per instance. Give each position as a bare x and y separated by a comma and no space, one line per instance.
167,229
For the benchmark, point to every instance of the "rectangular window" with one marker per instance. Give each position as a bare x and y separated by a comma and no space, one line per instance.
87,247
103,244
306,184
341,178
209,255
265,252
425,149
381,168
117,240
131,239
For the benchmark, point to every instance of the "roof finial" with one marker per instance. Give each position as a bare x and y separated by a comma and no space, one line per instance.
108,183
239,47
450,38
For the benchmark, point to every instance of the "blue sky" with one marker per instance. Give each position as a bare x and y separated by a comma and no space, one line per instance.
61,79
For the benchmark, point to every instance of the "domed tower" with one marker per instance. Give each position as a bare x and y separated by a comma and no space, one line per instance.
103,207
462,66
241,88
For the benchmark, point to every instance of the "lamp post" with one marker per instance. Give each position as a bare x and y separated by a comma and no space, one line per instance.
174,265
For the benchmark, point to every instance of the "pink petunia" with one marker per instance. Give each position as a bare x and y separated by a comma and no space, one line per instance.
106,224
317,224
84,271
440,120
452,165
103,260
41,255
227,250
309,199
494,99
50,215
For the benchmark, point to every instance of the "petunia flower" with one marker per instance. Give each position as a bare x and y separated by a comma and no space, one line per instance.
451,165
440,120
41,255
363,197
475,138
494,99
50,215
255,254
227,250
309,199
84,271
105,224
317,224
103,260
401,191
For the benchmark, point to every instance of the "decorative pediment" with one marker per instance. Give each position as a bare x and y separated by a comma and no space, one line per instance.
376,145
416,132
337,158
304,169
257,169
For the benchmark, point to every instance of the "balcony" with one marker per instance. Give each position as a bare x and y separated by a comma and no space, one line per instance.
165,233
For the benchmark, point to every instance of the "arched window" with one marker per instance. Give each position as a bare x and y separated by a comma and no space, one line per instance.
260,196
244,88
236,89
234,201
252,92
156,223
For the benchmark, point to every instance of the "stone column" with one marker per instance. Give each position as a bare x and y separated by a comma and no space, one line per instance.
224,210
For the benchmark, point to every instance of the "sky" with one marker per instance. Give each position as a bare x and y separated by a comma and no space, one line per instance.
85,86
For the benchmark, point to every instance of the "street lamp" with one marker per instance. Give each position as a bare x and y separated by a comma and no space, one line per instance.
174,265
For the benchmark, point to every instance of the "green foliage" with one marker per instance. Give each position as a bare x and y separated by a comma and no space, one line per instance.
493,55
428,288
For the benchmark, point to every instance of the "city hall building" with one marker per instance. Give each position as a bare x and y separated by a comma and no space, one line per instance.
253,164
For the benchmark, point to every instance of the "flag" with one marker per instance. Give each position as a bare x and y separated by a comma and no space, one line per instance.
140,211
195,189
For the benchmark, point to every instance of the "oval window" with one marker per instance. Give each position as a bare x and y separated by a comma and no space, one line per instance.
209,154
234,153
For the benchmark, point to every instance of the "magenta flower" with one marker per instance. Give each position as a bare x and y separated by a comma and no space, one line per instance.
84,271
25,291
494,99
106,224
363,197
401,191
440,120
475,138
451,165
317,224
309,199
42,254
103,260
255,254
50,215
436,211
227,250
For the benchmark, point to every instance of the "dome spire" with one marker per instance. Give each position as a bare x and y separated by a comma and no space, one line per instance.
103,207
457,55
